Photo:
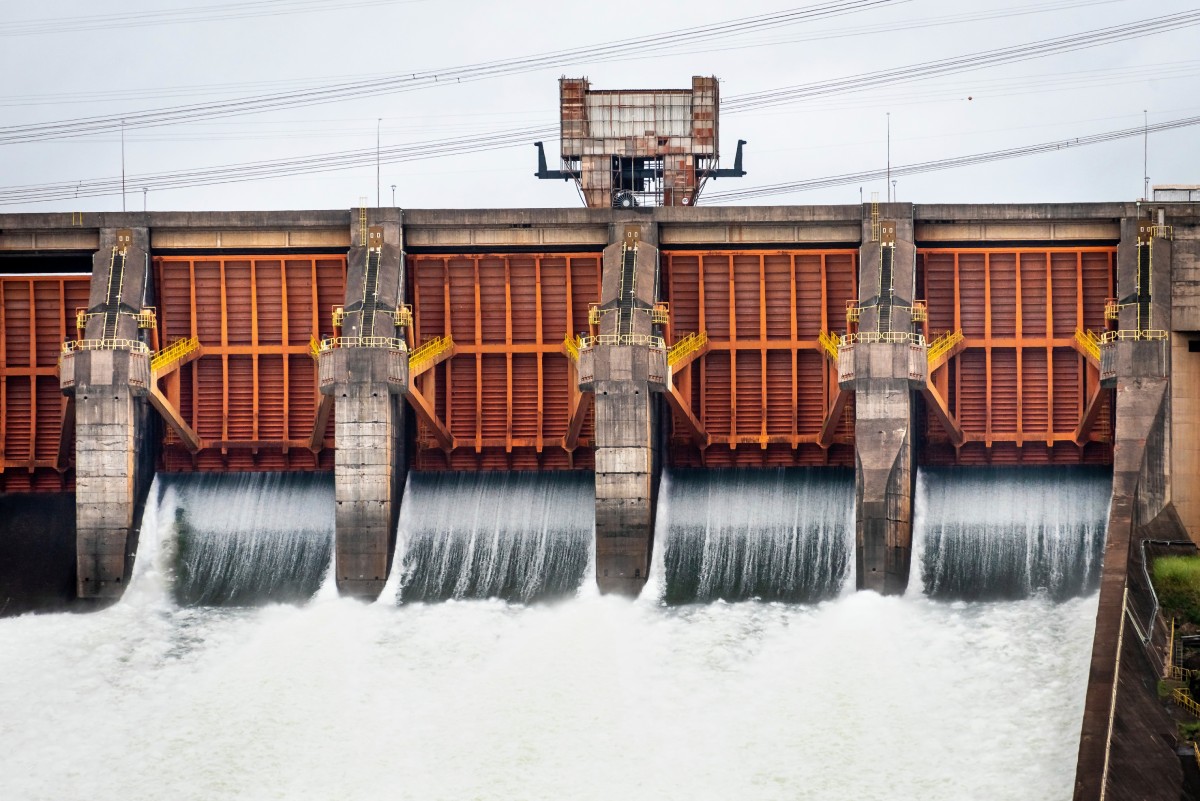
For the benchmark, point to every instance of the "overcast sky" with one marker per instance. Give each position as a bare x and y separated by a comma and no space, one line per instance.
70,71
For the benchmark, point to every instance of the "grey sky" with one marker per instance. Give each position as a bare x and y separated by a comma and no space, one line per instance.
69,74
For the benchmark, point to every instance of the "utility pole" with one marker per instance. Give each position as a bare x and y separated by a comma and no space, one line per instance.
887,185
378,193
122,165
1145,155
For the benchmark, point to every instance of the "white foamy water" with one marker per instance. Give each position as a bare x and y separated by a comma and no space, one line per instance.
589,698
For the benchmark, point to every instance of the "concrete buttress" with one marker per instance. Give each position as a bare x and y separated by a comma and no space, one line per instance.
109,378
625,367
367,376
884,366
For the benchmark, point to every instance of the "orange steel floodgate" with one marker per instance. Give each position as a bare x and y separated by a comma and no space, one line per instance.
1020,389
37,314
763,388
507,393
252,396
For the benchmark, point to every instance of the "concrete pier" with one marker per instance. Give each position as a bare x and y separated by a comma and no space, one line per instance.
109,377
1112,745
366,378
884,366
624,369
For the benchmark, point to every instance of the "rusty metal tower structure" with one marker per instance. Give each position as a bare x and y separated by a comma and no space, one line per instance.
626,148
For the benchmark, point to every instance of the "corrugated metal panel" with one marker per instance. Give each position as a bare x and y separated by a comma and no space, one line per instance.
506,393
763,388
37,313
253,393
1019,389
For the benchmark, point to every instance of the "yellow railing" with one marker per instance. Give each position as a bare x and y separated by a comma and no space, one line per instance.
314,347
942,344
75,345
594,313
176,350
1186,701
622,339
1180,674
339,316
1152,335
1112,309
404,316
81,318
660,314
1196,753
146,318
853,311
686,347
391,343
920,313
830,342
1089,342
891,337
429,351
572,347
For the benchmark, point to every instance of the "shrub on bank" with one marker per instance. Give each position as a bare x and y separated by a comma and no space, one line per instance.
1177,582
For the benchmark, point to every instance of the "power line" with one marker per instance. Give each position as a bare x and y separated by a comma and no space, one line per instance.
792,187
330,93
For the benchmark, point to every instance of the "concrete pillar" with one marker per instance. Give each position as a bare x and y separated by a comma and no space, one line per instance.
624,370
113,460
1139,371
883,368
367,377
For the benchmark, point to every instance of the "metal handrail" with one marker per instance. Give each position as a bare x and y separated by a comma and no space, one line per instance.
1185,700
830,342
404,316
660,314
176,350
146,318
685,347
853,311
429,350
943,343
391,343
1112,309
622,339
339,316
133,345
1150,334
892,337
314,347
1089,341
572,347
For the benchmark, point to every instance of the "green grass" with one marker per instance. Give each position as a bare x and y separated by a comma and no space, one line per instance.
1177,582
1189,731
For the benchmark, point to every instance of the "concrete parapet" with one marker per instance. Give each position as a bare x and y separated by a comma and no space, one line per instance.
366,384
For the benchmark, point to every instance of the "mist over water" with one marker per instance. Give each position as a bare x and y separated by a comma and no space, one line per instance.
774,534
516,536
588,697
247,538
1004,533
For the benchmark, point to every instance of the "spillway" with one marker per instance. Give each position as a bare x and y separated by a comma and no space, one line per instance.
510,535
775,534
246,538
1004,533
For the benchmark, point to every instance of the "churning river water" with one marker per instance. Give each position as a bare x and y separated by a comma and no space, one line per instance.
586,697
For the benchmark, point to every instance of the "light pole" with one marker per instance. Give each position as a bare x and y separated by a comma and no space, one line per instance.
393,196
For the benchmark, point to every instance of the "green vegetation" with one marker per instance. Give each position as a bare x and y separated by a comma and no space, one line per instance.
1190,730
1177,582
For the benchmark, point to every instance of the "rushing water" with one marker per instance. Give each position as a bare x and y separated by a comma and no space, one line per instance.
247,538
588,698
775,535
1010,532
516,536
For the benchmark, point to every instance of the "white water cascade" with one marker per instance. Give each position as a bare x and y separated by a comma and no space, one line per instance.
591,697
248,538
516,536
775,535
986,533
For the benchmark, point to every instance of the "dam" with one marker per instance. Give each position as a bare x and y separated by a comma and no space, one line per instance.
776,502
